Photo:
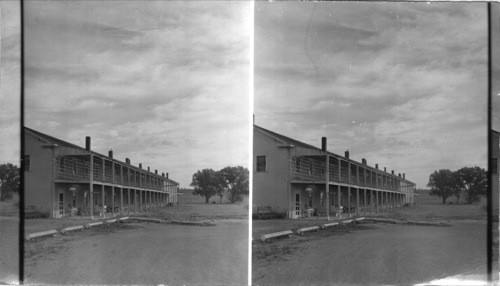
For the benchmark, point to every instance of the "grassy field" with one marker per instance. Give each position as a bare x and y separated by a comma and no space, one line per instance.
439,212
432,212
202,212
188,197
10,207
191,212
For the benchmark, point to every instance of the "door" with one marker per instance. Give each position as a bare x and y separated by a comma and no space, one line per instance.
297,205
61,204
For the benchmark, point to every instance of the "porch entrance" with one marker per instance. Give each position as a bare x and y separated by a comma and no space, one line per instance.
297,205
61,204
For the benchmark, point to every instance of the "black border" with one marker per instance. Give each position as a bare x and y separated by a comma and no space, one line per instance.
489,194
21,166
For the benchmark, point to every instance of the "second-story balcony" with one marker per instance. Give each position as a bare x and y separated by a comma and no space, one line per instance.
306,168
313,169
77,168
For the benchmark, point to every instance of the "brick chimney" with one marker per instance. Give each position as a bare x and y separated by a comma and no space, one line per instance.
87,143
323,144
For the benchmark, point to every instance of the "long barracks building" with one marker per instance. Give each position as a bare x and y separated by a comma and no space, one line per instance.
292,178
65,179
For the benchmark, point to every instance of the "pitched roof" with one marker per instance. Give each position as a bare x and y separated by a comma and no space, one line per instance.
287,140
54,140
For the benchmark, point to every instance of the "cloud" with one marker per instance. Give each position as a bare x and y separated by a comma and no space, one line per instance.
10,108
170,78
400,84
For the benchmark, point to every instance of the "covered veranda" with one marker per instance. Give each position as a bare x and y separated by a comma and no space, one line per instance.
309,200
105,200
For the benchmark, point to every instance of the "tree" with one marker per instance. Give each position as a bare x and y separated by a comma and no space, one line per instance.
473,180
441,183
206,183
455,186
235,182
9,181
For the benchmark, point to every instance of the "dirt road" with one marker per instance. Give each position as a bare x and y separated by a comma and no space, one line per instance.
143,253
377,254
9,249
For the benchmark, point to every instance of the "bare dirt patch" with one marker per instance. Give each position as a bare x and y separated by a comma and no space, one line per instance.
142,254
389,253
372,254
50,247
43,224
284,248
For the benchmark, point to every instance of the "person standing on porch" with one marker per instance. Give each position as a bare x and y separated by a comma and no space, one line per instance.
341,209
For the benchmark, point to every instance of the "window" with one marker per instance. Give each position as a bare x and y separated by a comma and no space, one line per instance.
494,165
27,163
261,163
62,165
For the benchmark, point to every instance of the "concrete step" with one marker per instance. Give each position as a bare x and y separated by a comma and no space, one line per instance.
35,235
307,229
89,225
71,228
276,235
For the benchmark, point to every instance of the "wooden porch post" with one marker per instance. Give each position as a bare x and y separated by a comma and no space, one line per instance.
357,201
91,186
364,202
121,200
339,199
128,200
327,187
102,188
121,189
113,188
349,200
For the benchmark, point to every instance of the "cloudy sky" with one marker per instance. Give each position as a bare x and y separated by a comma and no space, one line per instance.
10,109
165,84
495,53
403,85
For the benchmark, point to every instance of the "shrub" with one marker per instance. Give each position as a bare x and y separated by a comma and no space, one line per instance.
36,214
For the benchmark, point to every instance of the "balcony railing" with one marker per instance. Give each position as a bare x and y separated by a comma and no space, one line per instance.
308,169
313,169
77,168
72,168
